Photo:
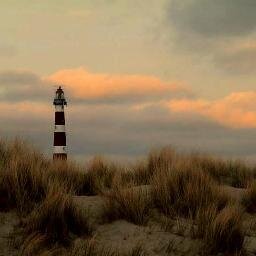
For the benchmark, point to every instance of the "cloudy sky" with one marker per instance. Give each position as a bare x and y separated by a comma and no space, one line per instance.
137,74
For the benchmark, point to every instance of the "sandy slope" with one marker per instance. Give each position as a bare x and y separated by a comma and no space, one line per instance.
122,235
8,221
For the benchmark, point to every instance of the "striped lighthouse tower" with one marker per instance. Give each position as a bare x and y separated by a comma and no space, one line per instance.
59,131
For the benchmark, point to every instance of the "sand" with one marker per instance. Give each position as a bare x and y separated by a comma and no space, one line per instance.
8,222
121,235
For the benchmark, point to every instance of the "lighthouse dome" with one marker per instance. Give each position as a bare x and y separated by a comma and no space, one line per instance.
59,97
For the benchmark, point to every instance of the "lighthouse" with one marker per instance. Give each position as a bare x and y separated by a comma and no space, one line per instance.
59,152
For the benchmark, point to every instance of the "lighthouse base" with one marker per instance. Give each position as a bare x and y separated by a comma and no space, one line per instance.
60,156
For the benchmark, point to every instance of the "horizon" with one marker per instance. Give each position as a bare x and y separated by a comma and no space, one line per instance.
137,75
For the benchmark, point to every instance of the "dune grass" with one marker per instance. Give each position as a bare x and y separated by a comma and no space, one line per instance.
25,175
249,199
57,217
53,224
222,231
37,244
178,185
99,175
183,190
22,174
90,247
232,172
132,204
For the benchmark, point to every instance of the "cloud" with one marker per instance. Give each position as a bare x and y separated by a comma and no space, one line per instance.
124,130
237,110
217,18
19,85
23,111
237,60
7,51
215,31
20,77
84,85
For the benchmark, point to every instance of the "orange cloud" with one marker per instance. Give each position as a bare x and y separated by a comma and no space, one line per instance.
83,84
237,110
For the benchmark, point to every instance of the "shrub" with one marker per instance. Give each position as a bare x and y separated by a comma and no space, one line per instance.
99,176
142,172
224,232
137,174
131,204
68,175
23,176
234,173
249,198
183,190
37,244
240,174
216,168
5,202
161,159
56,217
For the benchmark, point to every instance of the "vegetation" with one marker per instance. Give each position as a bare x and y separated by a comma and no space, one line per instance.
249,199
132,204
56,217
183,190
168,184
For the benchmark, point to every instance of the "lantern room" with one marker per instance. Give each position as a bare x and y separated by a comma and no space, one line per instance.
59,97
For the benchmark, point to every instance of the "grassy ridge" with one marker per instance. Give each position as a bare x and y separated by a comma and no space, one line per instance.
174,184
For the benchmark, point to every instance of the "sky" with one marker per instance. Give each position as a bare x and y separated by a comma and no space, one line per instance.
137,74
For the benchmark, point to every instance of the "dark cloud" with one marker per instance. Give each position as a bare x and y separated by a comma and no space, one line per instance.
241,61
214,18
12,78
135,134
23,85
209,29
120,131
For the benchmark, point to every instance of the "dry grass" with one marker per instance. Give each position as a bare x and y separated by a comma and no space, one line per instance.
22,176
161,159
99,176
56,218
131,204
234,173
83,247
249,199
141,172
137,174
37,244
25,175
90,247
181,186
222,231
183,190
137,250
67,175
